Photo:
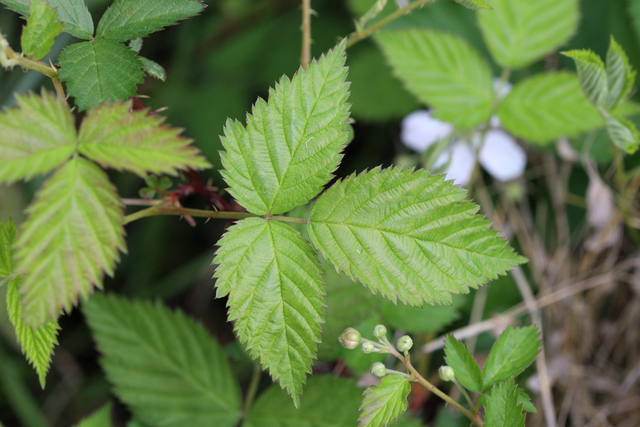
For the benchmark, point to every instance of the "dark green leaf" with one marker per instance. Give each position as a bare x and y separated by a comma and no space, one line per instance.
511,354
100,418
502,408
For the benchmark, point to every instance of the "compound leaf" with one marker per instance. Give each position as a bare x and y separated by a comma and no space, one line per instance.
385,403
443,71
72,236
127,19
116,137
620,75
519,32
592,75
328,401
275,290
72,13
502,408
406,235
622,132
163,365
36,343
547,106
7,234
100,70
35,137
511,354
41,30
465,367
291,144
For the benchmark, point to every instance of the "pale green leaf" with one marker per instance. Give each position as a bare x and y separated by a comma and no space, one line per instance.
71,238
327,401
35,137
519,32
166,367
592,75
465,367
291,145
100,70
511,354
276,294
406,235
36,343
622,132
154,69
443,71
474,4
116,137
72,13
7,234
41,30
128,19
384,404
525,401
502,408
547,106
100,418
620,75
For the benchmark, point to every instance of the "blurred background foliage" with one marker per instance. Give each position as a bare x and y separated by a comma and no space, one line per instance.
217,64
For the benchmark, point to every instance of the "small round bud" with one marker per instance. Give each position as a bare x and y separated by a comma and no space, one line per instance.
404,343
446,373
350,338
378,369
368,347
379,331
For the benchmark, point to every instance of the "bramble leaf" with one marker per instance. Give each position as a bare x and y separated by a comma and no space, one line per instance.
502,408
100,70
41,30
163,365
290,145
116,137
465,367
100,418
385,403
406,235
622,132
72,236
72,13
127,19
592,75
511,354
519,32
154,69
443,71
620,75
547,106
474,4
7,234
276,295
35,137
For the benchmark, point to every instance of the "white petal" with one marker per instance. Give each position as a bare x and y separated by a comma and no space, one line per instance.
503,89
461,165
502,157
420,130
495,122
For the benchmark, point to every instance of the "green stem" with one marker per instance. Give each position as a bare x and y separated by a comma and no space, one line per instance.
305,56
252,390
164,210
357,36
464,392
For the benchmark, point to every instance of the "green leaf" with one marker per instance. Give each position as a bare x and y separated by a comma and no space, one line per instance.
502,408
100,70
525,401
519,32
72,236
291,145
100,418
620,75
36,343
163,365
418,319
41,30
36,137
276,294
547,106
406,235
383,404
328,401
20,6
622,132
511,354
116,137
465,367
154,69
128,19
7,234
443,71
474,4
72,13
592,75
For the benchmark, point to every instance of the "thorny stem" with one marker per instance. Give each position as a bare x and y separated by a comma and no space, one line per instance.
305,56
165,210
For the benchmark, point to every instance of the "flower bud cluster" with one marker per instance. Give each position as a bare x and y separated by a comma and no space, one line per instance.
378,369
350,338
404,343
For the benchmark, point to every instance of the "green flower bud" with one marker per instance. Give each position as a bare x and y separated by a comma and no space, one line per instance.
379,331
404,343
368,347
350,338
446,373
378,369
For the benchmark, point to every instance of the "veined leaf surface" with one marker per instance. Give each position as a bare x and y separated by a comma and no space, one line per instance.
72,236
290,145
7,234
35,137
406,235
41,30
276,294
384,404
592,75
502,408
72,13
620,75
511,354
